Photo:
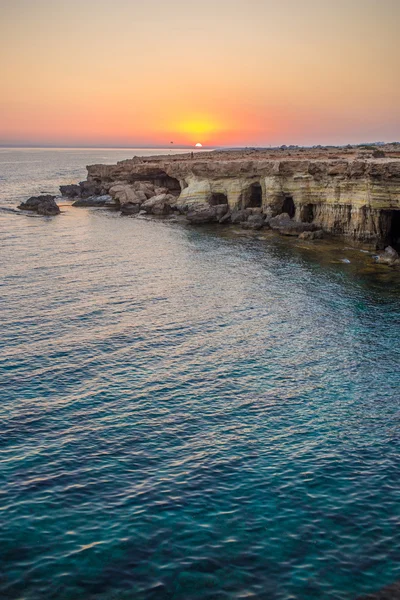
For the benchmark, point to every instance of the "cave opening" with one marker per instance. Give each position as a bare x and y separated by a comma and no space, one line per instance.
172,184
394,230
217,198
288,206
307,213
253,196
159,179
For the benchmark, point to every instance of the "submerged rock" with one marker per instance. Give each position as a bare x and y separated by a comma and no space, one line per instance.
130,209
312,235
389,257
42,205
390,592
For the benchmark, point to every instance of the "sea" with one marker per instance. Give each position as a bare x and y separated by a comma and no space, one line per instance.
190,413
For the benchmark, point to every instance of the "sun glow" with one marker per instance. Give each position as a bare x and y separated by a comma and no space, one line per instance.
193,128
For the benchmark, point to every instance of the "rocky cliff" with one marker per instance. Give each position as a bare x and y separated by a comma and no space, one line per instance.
349,193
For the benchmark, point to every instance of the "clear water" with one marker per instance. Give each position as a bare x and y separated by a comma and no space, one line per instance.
190,413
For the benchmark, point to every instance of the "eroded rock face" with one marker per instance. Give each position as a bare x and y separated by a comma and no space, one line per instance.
42,205
342,192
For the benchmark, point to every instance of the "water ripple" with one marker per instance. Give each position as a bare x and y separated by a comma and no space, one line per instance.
188,413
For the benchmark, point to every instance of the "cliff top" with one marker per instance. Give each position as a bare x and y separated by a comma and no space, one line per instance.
362,151
381,161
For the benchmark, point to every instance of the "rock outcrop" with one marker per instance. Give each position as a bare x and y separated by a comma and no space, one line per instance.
42,205
389,257
340,191
288,226
256,221
71,191
105,200
161,204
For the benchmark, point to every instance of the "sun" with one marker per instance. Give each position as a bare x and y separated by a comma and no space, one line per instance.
192,128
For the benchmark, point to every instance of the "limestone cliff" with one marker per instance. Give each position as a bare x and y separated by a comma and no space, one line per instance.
344,193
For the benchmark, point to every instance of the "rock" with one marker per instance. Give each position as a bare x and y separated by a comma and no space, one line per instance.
279,221
71,191
221,210
175,218
239,216
94,201
89,188
42,205
287,226
312,235
130,209
201,216
390,592
160,190
146,187
389,251
124,194
158,205
255,222
389,257
226,218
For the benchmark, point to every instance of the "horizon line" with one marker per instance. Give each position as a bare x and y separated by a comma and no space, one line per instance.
114,147
191,147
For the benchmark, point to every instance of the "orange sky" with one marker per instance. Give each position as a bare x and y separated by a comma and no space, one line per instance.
220,72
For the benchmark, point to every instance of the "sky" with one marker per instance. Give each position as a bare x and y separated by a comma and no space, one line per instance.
217,72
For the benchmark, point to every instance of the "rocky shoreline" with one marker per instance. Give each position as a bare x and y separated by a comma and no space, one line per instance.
352,192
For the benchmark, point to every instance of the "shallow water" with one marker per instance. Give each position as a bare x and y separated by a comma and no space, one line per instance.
192,413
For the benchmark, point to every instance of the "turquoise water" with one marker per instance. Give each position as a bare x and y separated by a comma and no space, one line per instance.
189,413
